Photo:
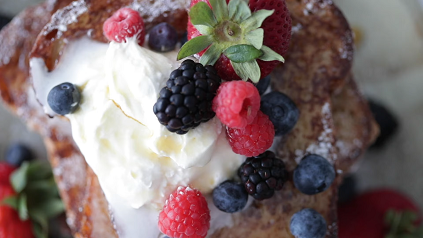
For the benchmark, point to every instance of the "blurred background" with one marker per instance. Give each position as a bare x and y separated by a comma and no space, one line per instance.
388,66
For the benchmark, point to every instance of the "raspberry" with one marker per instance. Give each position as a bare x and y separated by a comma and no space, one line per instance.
124,23
254,139
185,214
263,175
5,171
236,103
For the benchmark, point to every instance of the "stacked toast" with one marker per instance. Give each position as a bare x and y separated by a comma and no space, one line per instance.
335,121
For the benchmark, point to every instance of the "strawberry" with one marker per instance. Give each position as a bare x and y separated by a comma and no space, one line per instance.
5,171
10,224
243,40
379,214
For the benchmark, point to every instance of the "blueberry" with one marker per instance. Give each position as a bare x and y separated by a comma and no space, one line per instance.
313,175
4,21
388,123
18,153
230,197
163,37
184,38
263,84
282,112
64,98
308,223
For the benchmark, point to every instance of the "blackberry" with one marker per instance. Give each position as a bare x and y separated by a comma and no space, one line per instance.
186,101
262,175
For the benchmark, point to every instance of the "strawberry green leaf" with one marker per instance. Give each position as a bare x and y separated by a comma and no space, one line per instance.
255,38
194,46
247,70
204,30
211,55
402,224
22,207
201,14
50,208
270,55
220,9
38,170
256,19
39,217
238,10
19,178
40,227
242,53
11,201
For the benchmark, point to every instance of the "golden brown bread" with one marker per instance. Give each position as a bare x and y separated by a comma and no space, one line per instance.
316,75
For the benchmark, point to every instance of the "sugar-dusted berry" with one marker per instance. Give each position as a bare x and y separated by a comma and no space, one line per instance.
123,24
254,139
185,214
236,103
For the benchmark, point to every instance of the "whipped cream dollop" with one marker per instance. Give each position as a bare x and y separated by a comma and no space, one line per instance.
137,160
133,155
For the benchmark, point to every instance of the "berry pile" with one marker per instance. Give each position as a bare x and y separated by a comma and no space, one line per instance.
186,101
20,177
262,175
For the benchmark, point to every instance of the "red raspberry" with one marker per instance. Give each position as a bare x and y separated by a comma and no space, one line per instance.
124,23
254,139
236,103
185,215
5,171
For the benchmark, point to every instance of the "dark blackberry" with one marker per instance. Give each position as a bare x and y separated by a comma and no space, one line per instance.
262,175
186,101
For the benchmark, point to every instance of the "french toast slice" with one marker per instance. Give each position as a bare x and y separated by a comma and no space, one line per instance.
316,75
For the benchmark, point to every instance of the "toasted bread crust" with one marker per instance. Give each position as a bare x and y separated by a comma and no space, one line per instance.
316,76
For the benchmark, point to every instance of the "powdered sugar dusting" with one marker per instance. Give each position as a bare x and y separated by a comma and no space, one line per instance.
295,28
159,7
65,17
324,145
74,178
